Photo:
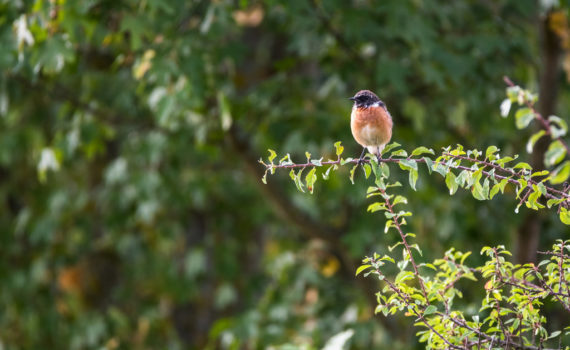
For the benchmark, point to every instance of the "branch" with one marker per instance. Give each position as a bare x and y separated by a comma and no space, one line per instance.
544,123
511,173
309,227
510,178
396,220
462,323
409,304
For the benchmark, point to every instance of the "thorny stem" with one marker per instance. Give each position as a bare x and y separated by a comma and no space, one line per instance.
562,278
406,300
512,173
551,292
545,123
560,272
509,179
501,325
528,287
462,323
396,219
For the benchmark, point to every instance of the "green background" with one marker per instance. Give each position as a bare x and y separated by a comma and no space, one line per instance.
132,212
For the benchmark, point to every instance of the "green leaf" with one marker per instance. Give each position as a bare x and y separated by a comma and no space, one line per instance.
352,171
554,334
564,215
362,268
399,153
326,173
463,178
422,150
379,308
532,200
272,155
430,310
522,165
385,170
497,295
417,247
407,164
478,191
491,150
552,202
558,126
498,187
555,153
505,160
399,199
540,173
374,207
286,160
541,188
367,170
389,224
310,179
523,117
390,146
403,276
486,188
513,93
533,139
339,148
413,178
450,181
429,163
297,179
560,174
440,169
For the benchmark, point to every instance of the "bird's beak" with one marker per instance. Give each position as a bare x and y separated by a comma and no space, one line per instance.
352,98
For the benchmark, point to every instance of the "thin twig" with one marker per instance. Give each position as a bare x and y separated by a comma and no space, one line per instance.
544,123
396,220
413,308
548,194
509,171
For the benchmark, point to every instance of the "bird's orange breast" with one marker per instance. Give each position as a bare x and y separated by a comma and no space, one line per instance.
371,126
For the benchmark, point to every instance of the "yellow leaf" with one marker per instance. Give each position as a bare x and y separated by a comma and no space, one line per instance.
144,65
330,267
251,17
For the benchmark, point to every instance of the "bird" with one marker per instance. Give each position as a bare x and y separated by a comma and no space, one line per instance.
370,122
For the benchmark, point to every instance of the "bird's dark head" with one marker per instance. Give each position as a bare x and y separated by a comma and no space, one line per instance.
365,99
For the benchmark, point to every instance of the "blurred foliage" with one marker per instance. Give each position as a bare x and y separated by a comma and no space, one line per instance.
132,215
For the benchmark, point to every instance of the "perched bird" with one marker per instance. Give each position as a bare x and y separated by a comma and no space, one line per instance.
370,122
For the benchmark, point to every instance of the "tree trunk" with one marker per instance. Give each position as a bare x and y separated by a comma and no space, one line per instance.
529,231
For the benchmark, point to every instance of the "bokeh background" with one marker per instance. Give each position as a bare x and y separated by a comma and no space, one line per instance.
132,214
